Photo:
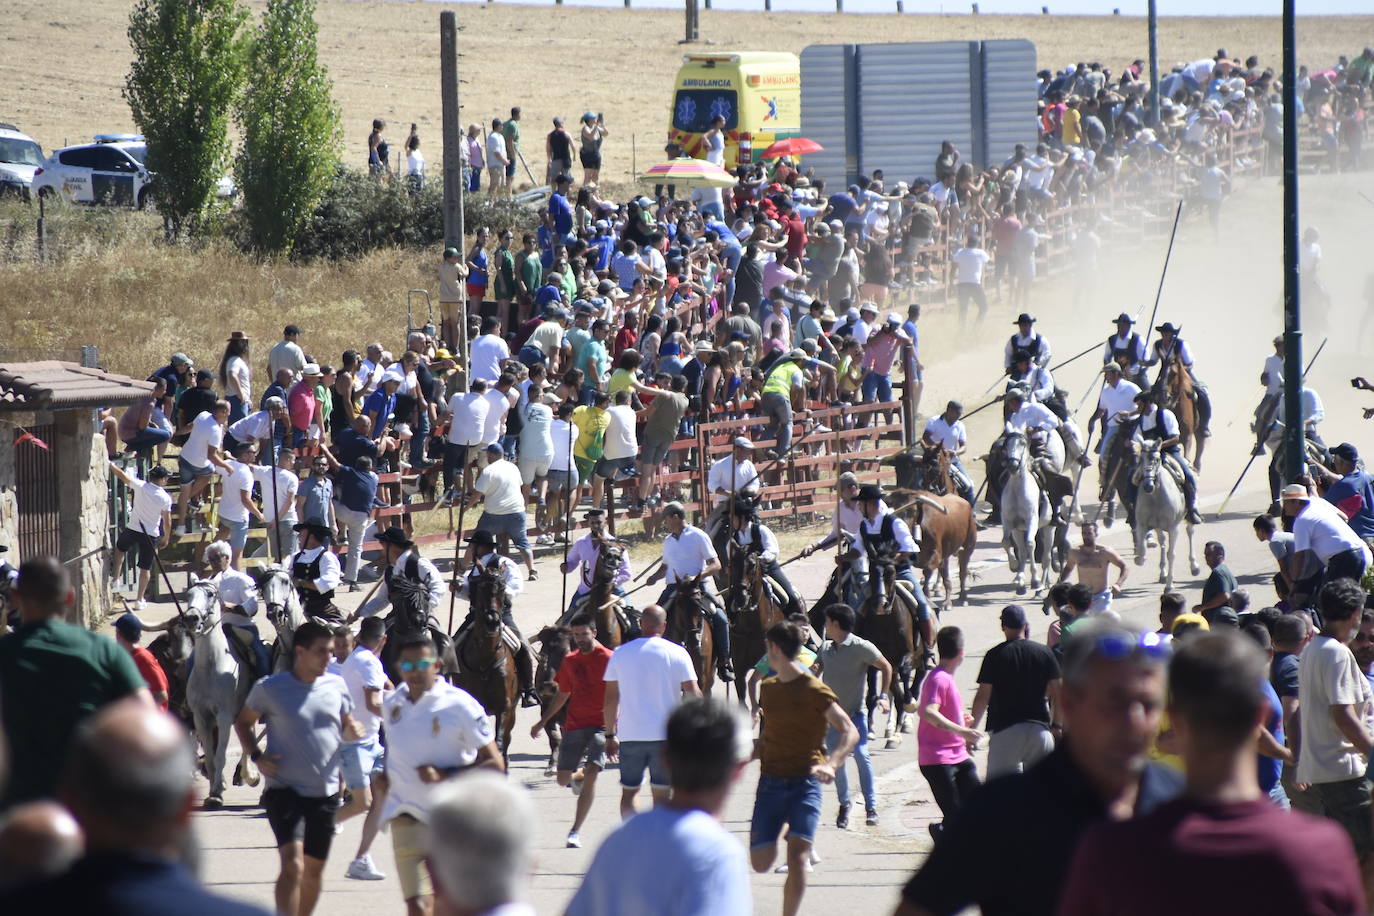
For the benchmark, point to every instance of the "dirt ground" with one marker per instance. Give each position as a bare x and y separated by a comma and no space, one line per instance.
64,61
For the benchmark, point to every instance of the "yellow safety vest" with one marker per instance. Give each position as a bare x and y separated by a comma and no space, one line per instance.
779,379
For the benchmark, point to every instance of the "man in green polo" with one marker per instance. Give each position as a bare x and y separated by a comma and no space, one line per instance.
783,397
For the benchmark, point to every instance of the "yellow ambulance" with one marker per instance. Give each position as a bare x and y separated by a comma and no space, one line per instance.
758,93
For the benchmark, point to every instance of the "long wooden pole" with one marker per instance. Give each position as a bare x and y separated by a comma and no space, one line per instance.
458,548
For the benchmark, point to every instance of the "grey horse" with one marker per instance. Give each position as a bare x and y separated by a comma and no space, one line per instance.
1025,514
1159,508
217,687
284,611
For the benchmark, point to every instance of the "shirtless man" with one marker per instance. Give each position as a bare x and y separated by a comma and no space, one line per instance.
1091,560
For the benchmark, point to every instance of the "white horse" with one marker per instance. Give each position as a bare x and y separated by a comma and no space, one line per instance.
216,689
1159,508
284,611
1025,513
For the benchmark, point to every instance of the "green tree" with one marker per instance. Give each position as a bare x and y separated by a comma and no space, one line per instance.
186,75
290,124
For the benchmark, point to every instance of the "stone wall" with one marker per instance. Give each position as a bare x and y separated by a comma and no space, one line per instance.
83,480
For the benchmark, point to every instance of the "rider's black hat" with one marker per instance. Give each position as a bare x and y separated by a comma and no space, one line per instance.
743,506
1020,356
396,537
1124,317
1167,327
869,492
594,513
315,528
482,536
1025,318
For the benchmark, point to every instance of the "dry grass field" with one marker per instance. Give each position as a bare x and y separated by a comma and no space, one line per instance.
62,62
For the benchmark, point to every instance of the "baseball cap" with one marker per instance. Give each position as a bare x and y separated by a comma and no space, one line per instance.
741,442
450,252
1347,452
180,359
129,626
496,449
1014,616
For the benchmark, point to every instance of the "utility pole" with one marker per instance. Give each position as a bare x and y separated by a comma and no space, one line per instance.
1294,432
1154,65
453,130
693,32
453,161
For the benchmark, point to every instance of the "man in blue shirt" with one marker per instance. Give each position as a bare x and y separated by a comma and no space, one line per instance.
1351,490
560,209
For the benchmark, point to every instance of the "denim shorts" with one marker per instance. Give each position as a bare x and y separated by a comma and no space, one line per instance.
562,481
238,532
794,802
190,472
360,761
513,525
636,756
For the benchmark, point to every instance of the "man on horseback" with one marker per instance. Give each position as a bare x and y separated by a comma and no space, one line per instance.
585,555
483,557
750,536
690,558
316,573
848,518
1039,383
946,432
410,585
885,536
1172,347
1035,421
1116,399
729,478
1125,346
238,597
1159,424
1026,340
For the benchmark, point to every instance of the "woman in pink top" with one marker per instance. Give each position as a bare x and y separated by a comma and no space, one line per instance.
943,738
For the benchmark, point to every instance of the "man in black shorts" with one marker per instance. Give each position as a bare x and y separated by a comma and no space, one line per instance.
582,689
148,526
309,716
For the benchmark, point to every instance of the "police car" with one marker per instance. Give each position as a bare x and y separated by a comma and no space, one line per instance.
109,171
20,157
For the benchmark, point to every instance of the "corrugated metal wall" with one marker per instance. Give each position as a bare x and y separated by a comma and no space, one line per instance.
1008,69
826,74
890,106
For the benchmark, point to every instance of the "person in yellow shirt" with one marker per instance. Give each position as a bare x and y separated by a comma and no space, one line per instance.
591,423
1071,130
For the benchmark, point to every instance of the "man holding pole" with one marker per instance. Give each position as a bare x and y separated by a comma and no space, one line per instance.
149,527
279,485
585,555
316,573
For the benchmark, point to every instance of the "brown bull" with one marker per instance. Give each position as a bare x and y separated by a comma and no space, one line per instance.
947,529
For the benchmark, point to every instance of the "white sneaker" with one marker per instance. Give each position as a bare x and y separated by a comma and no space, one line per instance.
362,869
139,605
574,841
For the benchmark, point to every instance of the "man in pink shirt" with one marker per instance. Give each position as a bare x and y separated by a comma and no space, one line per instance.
943,737
303,405
880,352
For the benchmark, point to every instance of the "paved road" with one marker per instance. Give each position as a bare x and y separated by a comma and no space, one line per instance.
863,867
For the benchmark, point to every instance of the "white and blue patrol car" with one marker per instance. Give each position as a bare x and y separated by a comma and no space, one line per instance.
109,171
20,157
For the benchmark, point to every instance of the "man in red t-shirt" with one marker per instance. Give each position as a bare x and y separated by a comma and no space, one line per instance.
582,689
128,631
1224,847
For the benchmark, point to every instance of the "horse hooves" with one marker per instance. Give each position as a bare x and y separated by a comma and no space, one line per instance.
212,803
1020,589
906,727
1139,561
238,776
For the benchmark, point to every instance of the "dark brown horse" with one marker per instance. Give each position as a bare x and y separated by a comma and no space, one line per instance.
1180,396
486,664
603,604
688,629
887,620
755,607
554,644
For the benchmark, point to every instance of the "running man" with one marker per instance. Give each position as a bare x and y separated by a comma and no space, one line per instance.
1091,560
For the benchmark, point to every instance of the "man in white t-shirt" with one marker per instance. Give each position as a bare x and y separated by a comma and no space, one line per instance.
149,527
646,678
617,461
499,489
1116,398
489,351
199,456
281,519
562,477
467,423
501,397
535,455
434,732
363,762
946,432
236,505
969,262
1336,706
1320,532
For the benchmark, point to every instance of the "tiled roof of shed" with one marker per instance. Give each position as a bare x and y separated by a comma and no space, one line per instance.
55,385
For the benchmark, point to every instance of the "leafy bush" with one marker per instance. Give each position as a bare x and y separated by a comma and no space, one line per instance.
359,214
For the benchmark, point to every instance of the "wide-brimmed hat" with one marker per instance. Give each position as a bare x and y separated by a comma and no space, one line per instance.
1124,317
315,528
396,537
482,536
1296,491
236,335
1024,318
311,369
1167,327
870,492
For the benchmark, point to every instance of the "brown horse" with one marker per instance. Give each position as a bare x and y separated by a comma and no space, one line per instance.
688,629
486,665
947,530
605,606
887,620
554,644
1180,396
755,607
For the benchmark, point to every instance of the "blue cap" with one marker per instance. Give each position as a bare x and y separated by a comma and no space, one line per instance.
129,626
